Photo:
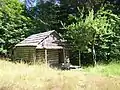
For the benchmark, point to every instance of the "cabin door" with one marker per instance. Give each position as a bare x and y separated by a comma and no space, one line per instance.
61,56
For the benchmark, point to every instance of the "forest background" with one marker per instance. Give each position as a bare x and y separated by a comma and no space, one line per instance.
91,27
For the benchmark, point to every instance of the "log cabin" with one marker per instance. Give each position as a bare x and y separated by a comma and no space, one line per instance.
48,47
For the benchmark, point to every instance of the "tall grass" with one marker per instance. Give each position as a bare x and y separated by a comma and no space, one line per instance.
112,69
36,77
41,77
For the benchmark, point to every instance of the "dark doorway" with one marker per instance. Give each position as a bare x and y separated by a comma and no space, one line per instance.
61,56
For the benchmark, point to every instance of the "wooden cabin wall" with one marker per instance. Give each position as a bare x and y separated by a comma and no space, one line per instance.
40,55
53,57
27,54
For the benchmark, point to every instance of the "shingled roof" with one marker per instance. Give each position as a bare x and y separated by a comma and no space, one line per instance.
36,39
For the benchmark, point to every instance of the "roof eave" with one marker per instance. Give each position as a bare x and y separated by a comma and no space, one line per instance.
31,44
49,47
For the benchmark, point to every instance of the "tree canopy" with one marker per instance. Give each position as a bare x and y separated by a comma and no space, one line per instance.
14,25
90,26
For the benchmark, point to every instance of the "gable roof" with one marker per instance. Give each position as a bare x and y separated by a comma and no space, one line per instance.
35,39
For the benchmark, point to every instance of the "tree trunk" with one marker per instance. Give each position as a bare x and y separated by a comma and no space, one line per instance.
79,58
93,51
94,55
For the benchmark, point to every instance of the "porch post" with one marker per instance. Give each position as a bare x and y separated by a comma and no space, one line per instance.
46,56
64,54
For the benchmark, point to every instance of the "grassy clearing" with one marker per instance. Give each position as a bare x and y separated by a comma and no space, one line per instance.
112,69
24,77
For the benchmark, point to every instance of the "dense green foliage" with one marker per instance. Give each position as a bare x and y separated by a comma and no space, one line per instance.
87,32
90,26
14,25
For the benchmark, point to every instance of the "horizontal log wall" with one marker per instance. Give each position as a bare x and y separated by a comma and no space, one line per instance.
40,55
53,57
27,54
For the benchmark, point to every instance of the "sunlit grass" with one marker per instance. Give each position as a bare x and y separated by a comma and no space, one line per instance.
36,77
112,69
41,77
